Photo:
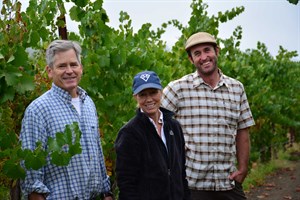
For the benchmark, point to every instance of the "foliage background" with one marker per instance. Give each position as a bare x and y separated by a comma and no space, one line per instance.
111,57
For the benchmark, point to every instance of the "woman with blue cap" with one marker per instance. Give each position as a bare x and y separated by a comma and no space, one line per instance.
150,148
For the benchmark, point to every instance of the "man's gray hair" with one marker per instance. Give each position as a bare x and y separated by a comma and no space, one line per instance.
61,46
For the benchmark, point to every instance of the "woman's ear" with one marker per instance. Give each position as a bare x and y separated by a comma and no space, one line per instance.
134,96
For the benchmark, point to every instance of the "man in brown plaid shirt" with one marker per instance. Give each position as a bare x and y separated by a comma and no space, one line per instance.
214,113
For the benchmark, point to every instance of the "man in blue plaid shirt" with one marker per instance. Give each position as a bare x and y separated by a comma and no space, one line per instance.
85,177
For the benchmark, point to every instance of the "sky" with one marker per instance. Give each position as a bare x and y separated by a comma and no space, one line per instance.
272,22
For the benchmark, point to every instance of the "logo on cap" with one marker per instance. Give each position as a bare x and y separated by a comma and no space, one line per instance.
145,77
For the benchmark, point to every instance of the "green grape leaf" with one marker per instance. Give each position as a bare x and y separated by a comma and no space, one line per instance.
4,153
80,3
8,94
76,13
75,149
73,13
34,38
53,145
12,78
11,58
65,145
294,1
60,159
21,57
13,169
26,84
7,140
35,159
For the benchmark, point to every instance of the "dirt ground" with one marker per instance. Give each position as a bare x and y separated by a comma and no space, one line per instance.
282,185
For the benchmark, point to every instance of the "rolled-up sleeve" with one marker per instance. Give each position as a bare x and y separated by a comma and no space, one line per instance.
33,131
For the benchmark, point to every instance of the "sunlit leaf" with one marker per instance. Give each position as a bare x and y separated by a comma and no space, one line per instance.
11,59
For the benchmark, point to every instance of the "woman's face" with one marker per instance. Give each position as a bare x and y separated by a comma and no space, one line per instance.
149,100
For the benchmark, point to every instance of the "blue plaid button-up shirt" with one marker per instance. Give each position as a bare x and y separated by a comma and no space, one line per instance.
85,176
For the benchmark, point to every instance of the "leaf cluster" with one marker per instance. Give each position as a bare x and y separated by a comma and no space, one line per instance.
60,149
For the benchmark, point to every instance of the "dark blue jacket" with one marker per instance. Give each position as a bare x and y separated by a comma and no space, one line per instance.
145,168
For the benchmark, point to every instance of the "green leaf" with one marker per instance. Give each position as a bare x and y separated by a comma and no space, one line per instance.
5,153
294,1
21,57
7,140
65,145
26,84
60,159
75,149
52,145
34,38
13,169
97,5
74,14
34,159
80,3
43,33
68,135
8,94
11,58
11,78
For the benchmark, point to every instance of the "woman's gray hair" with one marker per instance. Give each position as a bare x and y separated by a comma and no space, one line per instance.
61,46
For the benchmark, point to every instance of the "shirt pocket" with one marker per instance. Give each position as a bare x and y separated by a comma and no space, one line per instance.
232,112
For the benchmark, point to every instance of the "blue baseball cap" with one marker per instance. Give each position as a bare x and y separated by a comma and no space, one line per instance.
145,80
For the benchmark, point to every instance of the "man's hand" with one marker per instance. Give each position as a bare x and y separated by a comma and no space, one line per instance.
238,176
36,196
108,198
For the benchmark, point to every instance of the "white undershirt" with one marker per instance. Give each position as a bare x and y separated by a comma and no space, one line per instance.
76,104
161,121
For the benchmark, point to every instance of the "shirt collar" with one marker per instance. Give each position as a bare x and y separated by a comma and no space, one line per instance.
197,80
161,118
66,95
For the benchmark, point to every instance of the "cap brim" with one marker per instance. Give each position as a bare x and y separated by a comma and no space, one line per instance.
146,86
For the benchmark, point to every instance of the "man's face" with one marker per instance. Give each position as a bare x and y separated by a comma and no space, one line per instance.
204,57
66,71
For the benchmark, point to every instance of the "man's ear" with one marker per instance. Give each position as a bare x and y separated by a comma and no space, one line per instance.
191,59
49,71
217,49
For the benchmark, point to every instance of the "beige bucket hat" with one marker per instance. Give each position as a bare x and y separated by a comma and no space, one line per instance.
199,38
